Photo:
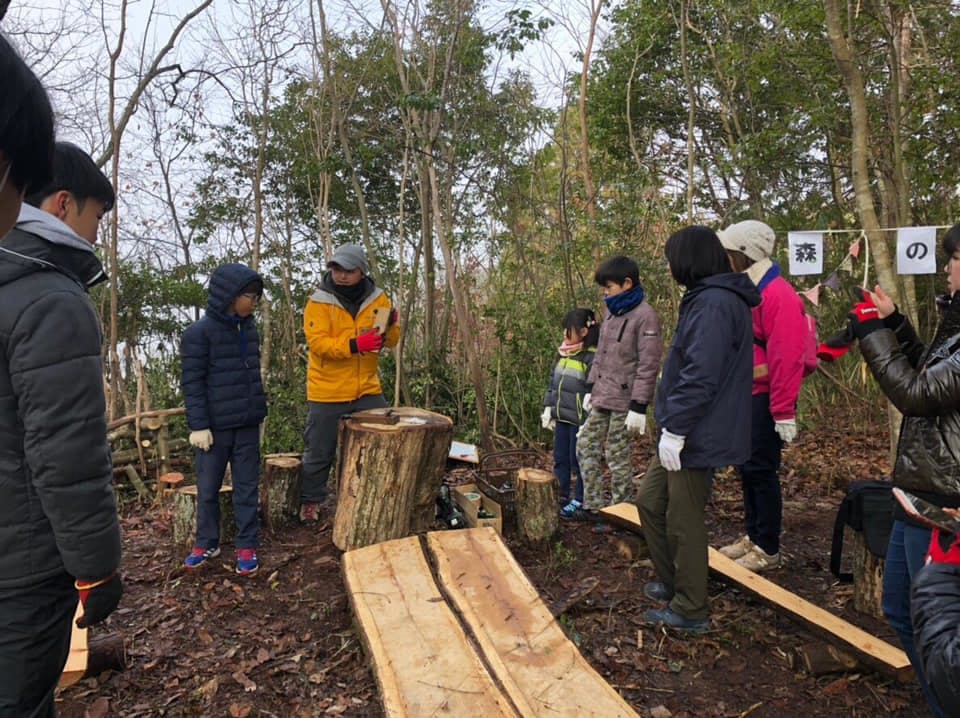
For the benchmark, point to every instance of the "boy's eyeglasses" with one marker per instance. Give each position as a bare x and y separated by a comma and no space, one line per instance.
251,296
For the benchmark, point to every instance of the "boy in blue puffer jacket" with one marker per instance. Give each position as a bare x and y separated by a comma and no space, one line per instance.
225,403
563,410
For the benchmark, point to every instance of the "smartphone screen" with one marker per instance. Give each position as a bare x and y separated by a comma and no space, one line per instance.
925,512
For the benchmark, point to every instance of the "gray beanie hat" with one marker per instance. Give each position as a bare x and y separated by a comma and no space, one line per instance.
350,257
751,237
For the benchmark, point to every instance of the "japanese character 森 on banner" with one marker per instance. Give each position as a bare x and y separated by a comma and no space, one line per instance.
917,250
806,252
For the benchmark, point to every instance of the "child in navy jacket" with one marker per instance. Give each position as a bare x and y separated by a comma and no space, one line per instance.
225,402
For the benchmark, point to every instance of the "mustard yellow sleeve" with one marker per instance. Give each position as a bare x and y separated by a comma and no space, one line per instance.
326,337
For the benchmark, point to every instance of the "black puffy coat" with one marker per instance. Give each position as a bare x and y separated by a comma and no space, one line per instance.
57,507
221,380
704,392
924,384
935,614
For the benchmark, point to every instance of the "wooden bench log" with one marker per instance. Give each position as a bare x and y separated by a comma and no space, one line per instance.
280,492
479,642
537,505
871,651
389,475
185,515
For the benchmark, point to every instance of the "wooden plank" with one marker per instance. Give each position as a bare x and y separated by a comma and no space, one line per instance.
539,668
873,652
76,664
423,661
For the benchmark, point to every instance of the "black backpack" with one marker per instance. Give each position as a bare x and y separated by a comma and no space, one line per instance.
868,508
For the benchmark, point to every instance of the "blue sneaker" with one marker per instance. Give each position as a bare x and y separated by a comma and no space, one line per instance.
199,556
571,509
247,562
668,617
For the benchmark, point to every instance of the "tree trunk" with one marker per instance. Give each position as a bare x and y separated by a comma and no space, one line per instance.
280,492
389,475
537,507
867,578
185,515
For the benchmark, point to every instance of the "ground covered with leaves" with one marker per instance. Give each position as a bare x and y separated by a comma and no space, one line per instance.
283,643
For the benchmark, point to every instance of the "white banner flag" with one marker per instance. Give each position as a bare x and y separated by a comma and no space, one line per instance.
806,252
917,250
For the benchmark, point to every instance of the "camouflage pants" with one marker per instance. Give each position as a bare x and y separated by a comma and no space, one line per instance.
605,426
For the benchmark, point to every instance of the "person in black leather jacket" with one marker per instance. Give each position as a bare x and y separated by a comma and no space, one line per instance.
923,382
935,609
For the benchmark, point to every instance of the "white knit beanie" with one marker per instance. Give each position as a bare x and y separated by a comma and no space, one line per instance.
753,238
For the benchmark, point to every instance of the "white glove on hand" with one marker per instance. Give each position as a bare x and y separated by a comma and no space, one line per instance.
202,439
669,450
787,429
636,422
587,404
547,421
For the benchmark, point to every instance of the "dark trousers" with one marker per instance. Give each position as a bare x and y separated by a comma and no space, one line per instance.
241,449
320,442
762,501
34,643
672,506
565,459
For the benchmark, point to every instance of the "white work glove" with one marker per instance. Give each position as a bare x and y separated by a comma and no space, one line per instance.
669,451
787,429
636,422
587,404
202,439
547,421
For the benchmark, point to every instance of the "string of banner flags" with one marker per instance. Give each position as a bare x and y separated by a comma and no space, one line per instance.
916,254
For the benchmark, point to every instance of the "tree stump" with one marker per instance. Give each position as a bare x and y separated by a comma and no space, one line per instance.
388,474
867,578
280,492
537,504
185,515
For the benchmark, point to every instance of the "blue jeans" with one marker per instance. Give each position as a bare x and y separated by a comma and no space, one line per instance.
565,459
241,448
762,500
906,553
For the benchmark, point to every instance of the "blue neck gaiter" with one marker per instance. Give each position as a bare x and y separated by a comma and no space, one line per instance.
623,303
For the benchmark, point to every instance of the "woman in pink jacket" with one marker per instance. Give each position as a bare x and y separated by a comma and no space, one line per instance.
780,338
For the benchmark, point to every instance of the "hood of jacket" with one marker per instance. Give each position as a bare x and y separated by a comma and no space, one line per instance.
226,283
734,282
41,242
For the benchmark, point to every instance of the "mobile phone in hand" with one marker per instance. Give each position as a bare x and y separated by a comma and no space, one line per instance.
926,513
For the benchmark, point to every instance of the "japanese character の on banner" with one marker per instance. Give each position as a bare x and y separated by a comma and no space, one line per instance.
917,250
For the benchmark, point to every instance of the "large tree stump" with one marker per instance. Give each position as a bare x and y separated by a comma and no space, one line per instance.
867,578
280,492
388,474
537,502
185,515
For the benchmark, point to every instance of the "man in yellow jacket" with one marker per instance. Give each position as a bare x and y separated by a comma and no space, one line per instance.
344,339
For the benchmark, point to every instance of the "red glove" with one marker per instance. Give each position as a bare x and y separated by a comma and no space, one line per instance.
944,548
99,598
865,319
368,342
